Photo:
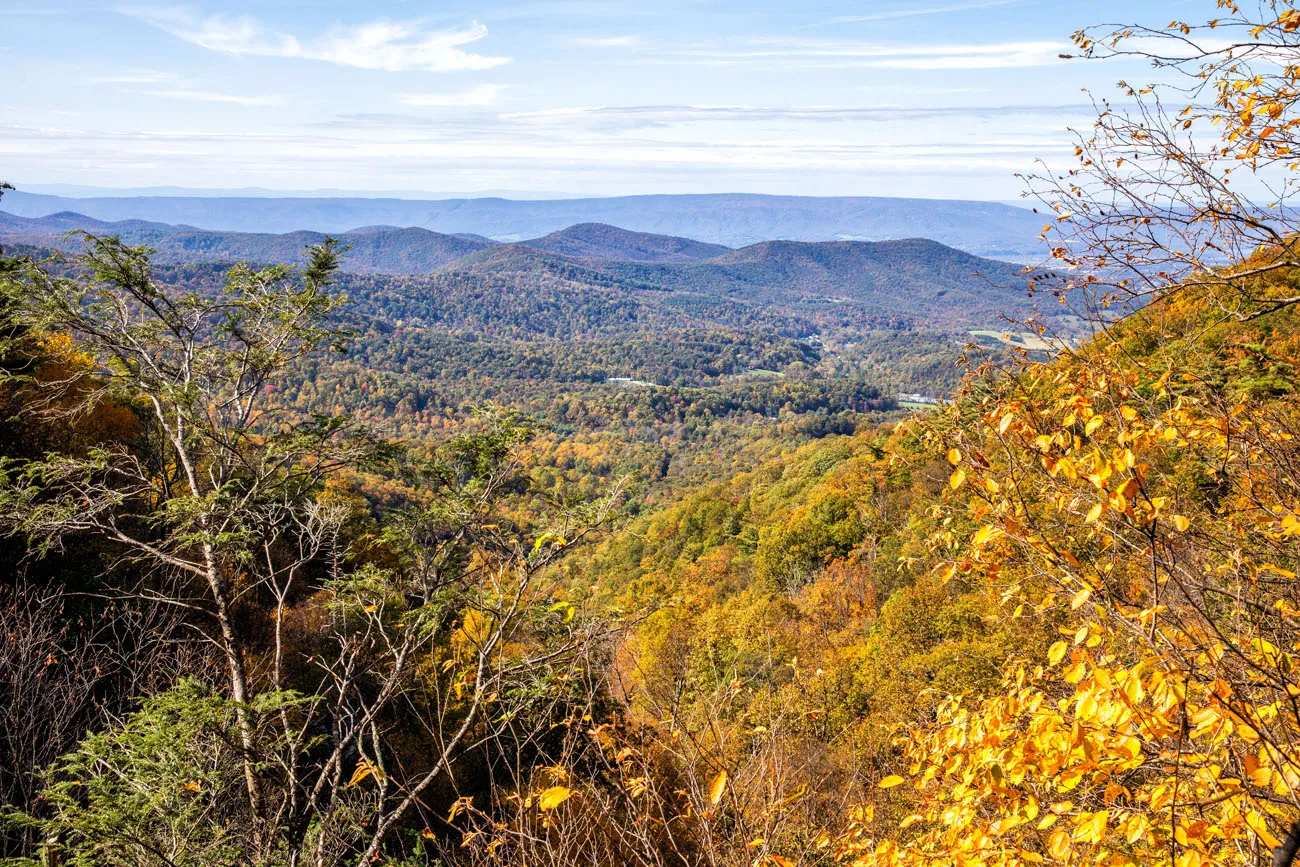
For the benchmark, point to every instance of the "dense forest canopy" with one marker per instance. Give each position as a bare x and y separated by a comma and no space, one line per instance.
550,558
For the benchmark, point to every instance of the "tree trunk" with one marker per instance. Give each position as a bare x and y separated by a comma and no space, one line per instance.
234,650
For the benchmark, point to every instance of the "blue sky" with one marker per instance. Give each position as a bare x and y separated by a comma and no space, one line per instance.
942,98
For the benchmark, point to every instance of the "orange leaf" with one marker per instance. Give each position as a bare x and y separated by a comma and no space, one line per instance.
717,788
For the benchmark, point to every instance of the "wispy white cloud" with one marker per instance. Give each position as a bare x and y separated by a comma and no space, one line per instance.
484,94
363,147
392,46
606,41
214,96
477,151
633,117
929,10
840,53
147,77
1006,55
169,85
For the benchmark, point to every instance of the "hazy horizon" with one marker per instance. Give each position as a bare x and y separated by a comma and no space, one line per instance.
573,99
87,191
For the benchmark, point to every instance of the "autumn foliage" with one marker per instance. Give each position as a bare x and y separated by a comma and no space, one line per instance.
1056,621
1141,506
1134,502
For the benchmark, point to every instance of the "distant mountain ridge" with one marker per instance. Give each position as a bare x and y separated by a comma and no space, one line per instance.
373,249
605,275
733,220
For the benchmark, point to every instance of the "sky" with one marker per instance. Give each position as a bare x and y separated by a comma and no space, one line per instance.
923,98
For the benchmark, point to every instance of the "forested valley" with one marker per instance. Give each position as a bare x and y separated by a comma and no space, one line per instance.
536,555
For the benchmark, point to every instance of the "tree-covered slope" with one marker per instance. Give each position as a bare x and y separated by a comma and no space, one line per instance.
853,284
849,282
601,241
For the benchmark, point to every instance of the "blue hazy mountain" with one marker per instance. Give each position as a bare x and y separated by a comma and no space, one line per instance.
603,274
733,220
372,249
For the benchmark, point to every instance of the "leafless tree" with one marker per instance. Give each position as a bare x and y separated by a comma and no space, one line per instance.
62,674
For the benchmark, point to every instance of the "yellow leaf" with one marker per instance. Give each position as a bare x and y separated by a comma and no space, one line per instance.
890,781
1181,524
1057,652
553,797
364,769
1092,829
1096,512
1259,825
458,806
1058,845
1093,423
799,791
717,788
1267,648
957,479
954,457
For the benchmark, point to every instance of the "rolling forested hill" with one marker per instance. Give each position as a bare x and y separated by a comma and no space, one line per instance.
378,249
736,220
601,241
598,277
655,349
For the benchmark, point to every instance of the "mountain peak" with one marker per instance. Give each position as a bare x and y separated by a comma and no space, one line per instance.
603,241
